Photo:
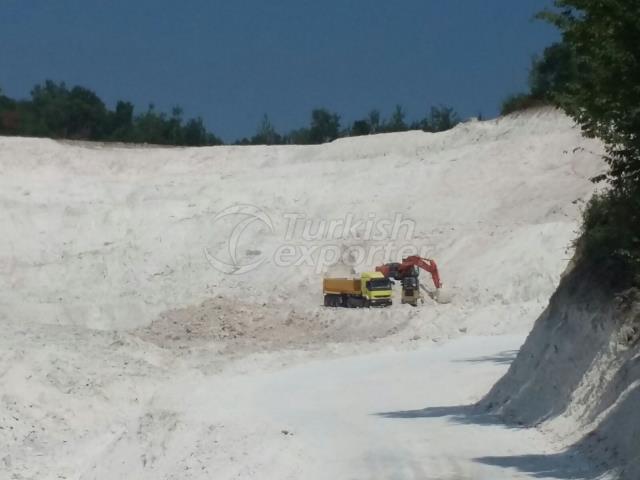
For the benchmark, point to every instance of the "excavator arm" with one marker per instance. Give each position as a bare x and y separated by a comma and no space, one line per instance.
398,271
390,270
426,264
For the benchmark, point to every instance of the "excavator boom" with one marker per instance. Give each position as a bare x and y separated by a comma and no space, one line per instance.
407,273
399,271
426,264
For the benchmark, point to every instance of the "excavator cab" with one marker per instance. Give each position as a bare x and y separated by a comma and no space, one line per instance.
408,273
411,290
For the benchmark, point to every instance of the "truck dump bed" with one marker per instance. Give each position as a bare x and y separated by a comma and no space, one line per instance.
342,285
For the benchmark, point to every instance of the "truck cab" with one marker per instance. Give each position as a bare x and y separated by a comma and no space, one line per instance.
376,288
372,289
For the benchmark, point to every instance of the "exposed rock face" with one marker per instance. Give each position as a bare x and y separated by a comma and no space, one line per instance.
578,374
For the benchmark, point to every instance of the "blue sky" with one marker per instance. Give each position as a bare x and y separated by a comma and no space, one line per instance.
232,61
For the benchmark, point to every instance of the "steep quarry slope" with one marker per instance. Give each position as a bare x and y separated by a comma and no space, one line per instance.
578,376
111,237
127,352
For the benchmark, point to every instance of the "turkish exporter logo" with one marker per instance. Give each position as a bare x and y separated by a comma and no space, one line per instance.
243,233
239,218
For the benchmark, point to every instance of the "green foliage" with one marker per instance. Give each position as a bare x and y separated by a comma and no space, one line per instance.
604,97
266,134
56,111
360,127
150,127
325,126
121,122
552,74
397,121
374,120
301,136
603,38
78,113
49,104
440,119
87,115
519,102
610,230
8,115
549,78
194,133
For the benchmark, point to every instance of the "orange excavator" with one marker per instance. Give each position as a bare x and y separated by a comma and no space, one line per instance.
407,273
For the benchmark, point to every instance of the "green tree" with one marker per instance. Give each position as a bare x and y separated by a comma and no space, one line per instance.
604,96
440,119
360,127
552,74
59,112
519,101
549,78
9,116
300,136
374,120
397,121
64,113
85,114
266,134
174,132
195,133
603,37
325,126
212,139
5,102
149,127
121,123
49,104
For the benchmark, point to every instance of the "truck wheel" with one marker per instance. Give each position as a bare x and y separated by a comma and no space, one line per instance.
355,302
331,300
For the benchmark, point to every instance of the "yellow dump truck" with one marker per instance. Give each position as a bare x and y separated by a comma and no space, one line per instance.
372,289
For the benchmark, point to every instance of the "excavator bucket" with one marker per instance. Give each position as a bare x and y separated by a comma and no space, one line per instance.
441,295
408,270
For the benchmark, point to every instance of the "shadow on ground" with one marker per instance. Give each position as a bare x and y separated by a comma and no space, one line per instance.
567,465
503,358
461,414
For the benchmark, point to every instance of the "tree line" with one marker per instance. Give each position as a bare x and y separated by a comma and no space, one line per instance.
550,74
325,126
57,111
